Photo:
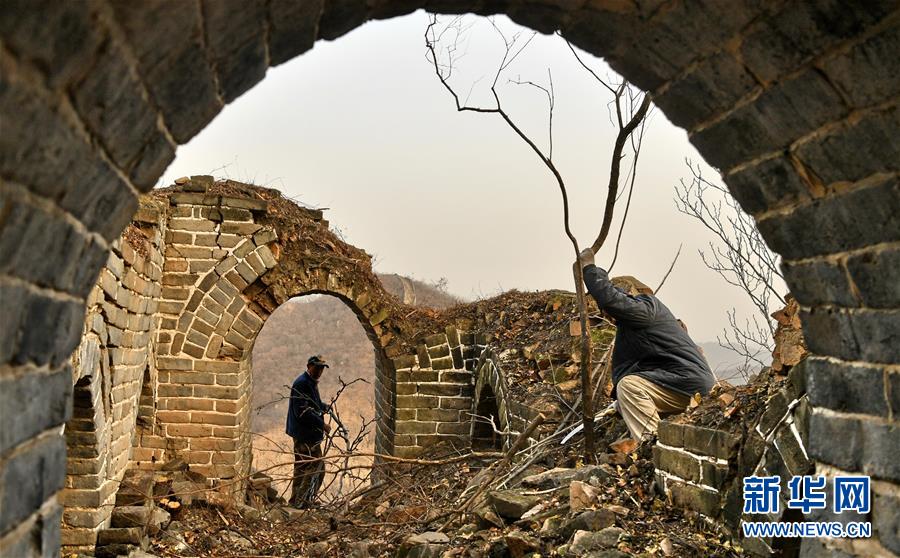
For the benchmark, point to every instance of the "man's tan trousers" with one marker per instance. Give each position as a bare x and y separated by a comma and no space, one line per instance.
640,402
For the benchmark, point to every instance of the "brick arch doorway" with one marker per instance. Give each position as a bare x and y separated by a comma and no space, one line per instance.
796,103
300,327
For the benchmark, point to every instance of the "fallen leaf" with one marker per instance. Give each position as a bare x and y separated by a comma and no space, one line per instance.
625,446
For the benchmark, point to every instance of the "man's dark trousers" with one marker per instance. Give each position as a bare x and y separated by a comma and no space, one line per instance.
308,471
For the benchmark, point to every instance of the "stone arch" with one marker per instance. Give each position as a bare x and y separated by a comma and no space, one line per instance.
490,402
229,264
795,102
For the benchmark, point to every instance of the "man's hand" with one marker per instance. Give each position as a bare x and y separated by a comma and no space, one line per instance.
327,428
586,257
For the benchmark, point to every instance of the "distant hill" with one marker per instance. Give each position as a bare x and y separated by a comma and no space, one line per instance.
725,363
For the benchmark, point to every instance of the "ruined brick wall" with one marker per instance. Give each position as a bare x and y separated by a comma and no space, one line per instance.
702,468
164,366
795,102
111,366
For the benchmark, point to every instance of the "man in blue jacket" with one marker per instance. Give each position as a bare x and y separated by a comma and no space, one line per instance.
306,425
657,367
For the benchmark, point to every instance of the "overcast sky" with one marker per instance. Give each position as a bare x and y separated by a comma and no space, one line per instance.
363,127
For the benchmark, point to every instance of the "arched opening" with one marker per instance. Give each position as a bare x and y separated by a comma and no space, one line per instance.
86,466
486,426
297,329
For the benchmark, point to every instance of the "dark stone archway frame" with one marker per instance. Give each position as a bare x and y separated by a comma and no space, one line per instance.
795,102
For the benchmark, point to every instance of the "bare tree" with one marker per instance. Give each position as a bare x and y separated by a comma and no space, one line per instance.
629,110
741,257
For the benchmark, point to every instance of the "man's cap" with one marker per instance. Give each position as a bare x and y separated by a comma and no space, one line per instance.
631,285
317,360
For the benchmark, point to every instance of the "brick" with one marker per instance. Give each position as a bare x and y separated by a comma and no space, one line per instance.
828,156
801,30
770,183
671,433
413,427
775,410
773,121
444,363
460,429
37,473
713,475
869,335
437,415
877,55
293,28
101,201
50,330
439,351
231,227
21,418
846,387
876,275
462,403
416,402
677,463
819,282
189,430
886,519
109,99
842,222
792,452
707,441
698,499
870,446
712,87
439,389
186,106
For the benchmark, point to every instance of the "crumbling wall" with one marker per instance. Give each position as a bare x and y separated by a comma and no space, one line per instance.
110,367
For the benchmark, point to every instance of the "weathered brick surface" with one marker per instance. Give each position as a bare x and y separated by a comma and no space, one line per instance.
806,69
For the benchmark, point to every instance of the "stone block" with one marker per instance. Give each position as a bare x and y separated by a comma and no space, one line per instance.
671,433
826,156
416,402
461,403
871,446
868,335
677,463
839,221
776,409
799,31
874,56
707,441
876,274
846,387
701,500
120,535
21,418
792,452
443,363
710,88
439,389
820,282
415,427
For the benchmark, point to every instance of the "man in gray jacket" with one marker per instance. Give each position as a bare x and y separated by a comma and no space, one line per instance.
657,367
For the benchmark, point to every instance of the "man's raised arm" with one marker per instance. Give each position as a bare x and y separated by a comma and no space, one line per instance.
624,308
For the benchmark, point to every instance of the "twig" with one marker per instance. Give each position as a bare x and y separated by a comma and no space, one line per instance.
671,267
